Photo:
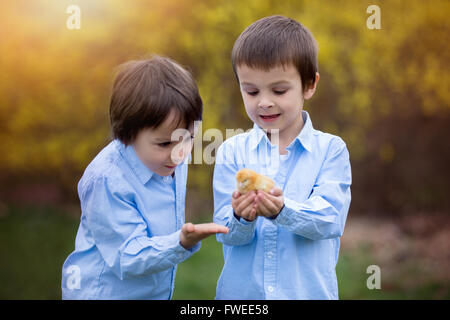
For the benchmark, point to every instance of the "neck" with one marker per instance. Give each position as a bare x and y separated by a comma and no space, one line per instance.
284,138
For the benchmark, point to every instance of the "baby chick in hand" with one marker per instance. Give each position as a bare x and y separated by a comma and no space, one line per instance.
248,180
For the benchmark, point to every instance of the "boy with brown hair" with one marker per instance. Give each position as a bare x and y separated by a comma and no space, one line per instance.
132,233
283,244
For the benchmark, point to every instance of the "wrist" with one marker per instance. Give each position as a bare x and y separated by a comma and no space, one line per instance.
184,242
276,215
242,220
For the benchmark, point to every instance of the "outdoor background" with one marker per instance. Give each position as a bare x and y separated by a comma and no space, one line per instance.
385,92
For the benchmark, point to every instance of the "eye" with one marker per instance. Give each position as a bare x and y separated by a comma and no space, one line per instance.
279,92
164,144
252,93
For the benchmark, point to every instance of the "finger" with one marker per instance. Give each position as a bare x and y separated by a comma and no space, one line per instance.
236,201
253,212
210,228
223,230
262,209
276,192
217,228
203,231
252,215
247,213
278,200
188,228
237,198
243,197
269,204
246,202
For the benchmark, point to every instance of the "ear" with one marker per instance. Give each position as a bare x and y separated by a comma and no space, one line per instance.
309,92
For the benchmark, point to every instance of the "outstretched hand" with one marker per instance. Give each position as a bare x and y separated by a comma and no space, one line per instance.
192,233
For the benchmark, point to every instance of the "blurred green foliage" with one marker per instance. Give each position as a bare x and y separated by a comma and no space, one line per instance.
385,92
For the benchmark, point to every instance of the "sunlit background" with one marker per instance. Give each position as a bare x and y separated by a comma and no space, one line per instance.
384,91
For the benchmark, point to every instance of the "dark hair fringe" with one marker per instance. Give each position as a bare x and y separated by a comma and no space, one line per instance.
274,41
146,91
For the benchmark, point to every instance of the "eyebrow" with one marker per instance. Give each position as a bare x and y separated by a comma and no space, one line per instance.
167,139
270,84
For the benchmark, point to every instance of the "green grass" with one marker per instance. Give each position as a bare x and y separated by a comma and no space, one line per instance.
197,277
33,245
352,280
34,242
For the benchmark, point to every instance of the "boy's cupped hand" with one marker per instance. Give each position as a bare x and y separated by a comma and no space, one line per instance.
192,233
258,203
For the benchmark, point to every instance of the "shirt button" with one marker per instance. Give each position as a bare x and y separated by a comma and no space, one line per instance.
270,289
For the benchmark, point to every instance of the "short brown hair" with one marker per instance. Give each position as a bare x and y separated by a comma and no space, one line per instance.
274,41
146,91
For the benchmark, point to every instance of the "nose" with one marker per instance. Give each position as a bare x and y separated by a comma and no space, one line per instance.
265,102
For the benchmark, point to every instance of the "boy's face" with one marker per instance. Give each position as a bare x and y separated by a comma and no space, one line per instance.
155,148
274,99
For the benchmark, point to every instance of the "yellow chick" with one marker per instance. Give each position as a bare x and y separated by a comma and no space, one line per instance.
248,180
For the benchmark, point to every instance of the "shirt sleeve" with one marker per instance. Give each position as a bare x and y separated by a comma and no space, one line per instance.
323,214
224,183
121,234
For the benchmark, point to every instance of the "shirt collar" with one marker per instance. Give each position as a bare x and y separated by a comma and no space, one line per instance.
304,137
143,173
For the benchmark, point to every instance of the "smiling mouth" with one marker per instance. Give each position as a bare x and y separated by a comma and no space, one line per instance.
170,167
270,117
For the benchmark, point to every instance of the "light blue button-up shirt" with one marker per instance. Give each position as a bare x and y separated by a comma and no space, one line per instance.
294,255
128,241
